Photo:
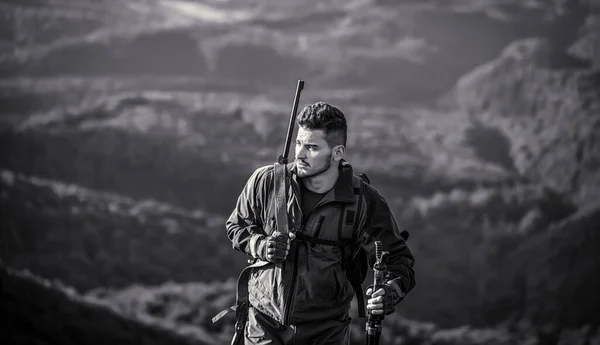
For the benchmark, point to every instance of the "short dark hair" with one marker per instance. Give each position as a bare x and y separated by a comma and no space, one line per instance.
325,117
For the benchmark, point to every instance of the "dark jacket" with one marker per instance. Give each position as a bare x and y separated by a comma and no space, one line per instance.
311,284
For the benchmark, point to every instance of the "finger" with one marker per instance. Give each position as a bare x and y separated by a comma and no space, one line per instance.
271,251
379,292
374,300
377,312
375,306
369,292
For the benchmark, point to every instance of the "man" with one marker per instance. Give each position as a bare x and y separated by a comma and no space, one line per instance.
301,294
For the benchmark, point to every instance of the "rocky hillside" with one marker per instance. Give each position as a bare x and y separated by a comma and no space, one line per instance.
45,311
192,305
543,95
38,311
563,258
186,309
374,53
89,239
549,107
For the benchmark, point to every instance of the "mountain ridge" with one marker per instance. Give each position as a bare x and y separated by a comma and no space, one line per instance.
39,310
89,239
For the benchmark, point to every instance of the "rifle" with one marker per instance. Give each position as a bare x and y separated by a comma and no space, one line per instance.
288,139
281,183
242,304
373,326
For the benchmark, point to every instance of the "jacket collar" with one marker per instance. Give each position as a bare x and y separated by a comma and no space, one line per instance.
343,189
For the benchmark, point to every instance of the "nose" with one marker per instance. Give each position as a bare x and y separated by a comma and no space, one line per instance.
300,152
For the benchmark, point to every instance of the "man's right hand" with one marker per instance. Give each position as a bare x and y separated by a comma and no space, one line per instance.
274,248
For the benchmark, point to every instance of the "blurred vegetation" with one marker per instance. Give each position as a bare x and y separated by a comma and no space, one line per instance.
37,311
181,313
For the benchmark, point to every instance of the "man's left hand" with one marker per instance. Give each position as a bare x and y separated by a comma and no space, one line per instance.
382,301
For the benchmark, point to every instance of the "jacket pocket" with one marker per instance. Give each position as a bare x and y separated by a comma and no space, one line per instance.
321,289
265,289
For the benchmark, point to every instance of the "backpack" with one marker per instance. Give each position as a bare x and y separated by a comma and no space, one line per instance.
355,259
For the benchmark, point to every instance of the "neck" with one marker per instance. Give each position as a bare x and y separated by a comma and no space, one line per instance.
324,181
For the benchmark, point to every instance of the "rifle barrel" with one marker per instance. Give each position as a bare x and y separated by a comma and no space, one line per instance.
283,159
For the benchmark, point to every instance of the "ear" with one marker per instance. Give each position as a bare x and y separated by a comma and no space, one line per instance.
338,152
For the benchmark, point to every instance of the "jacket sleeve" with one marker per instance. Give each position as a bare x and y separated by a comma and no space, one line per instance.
244,225
380,225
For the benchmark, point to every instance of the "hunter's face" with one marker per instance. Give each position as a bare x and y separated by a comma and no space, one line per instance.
313,155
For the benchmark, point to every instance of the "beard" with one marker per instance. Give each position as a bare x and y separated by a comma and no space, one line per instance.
315,170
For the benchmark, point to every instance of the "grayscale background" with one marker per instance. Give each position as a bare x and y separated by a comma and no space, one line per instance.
128,128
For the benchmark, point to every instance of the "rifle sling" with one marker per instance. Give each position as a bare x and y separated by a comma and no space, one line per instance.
242,304
242,296
281,187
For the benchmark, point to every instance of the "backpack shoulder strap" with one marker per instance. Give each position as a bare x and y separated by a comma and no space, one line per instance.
351,212
348,233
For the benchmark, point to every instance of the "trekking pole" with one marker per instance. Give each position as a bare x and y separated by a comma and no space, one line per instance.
373,326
